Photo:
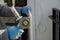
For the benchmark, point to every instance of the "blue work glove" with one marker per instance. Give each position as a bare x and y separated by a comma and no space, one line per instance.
25,8
14,32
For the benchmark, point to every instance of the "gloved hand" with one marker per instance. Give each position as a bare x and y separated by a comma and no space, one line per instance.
25,9
14,32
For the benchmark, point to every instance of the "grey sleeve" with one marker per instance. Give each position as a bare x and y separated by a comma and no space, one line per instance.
4,35
5,11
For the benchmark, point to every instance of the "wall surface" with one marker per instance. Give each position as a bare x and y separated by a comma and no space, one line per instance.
42,25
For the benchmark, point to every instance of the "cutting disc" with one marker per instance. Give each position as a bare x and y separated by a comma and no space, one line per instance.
25,22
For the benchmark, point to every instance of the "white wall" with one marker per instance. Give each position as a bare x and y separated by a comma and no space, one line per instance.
42,28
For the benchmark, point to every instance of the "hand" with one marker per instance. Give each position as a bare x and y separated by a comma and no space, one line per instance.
14,32
25,8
